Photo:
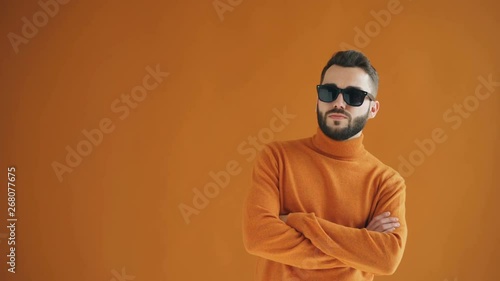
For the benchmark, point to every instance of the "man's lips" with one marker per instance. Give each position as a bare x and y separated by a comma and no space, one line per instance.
337,116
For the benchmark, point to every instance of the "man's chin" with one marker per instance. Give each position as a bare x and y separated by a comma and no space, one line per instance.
337,127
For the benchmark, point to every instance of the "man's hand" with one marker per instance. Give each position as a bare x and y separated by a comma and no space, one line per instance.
383,223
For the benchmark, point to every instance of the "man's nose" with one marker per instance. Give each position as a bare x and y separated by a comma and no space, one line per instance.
339,101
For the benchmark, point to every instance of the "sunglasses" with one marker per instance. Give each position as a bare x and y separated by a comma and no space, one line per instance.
352,96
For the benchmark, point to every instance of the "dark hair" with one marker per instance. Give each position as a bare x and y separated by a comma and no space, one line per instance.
351,58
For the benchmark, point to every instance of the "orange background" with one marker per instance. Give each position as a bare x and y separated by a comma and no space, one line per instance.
120,207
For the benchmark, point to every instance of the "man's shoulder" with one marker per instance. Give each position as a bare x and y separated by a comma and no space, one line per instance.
288,146
385,171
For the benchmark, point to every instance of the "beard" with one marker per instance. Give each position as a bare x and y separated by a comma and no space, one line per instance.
354,126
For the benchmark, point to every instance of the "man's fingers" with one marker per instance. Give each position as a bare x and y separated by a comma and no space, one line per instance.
383,224
389,230
389,220
376,223
387,226
381,216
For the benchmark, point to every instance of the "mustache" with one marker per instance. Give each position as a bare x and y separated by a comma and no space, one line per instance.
338,111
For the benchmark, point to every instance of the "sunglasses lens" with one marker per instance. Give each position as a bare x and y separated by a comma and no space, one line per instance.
354,97
326,94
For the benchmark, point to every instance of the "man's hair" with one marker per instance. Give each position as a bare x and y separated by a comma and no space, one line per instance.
351,58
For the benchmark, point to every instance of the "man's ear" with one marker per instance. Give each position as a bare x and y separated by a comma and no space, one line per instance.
374,108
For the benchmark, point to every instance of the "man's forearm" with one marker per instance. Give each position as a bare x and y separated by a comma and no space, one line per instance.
370,251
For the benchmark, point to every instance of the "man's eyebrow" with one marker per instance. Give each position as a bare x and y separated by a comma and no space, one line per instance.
355,87
330,84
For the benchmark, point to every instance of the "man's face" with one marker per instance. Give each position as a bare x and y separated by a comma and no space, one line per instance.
338,120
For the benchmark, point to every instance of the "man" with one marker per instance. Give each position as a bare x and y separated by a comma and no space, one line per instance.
324,208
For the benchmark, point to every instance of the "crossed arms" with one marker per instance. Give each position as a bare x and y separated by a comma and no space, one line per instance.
306,241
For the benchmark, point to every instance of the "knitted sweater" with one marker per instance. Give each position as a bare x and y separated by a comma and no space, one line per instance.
331,191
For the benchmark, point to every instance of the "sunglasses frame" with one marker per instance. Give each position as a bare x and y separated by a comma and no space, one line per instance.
341,91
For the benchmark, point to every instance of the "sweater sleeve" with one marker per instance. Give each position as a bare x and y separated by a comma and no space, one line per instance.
369,251
264,234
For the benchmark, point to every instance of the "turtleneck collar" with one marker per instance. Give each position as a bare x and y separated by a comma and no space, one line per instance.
349,149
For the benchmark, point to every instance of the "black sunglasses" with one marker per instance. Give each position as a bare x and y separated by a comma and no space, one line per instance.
352,96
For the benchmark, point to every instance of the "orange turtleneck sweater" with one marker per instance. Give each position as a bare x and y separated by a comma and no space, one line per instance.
330,190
